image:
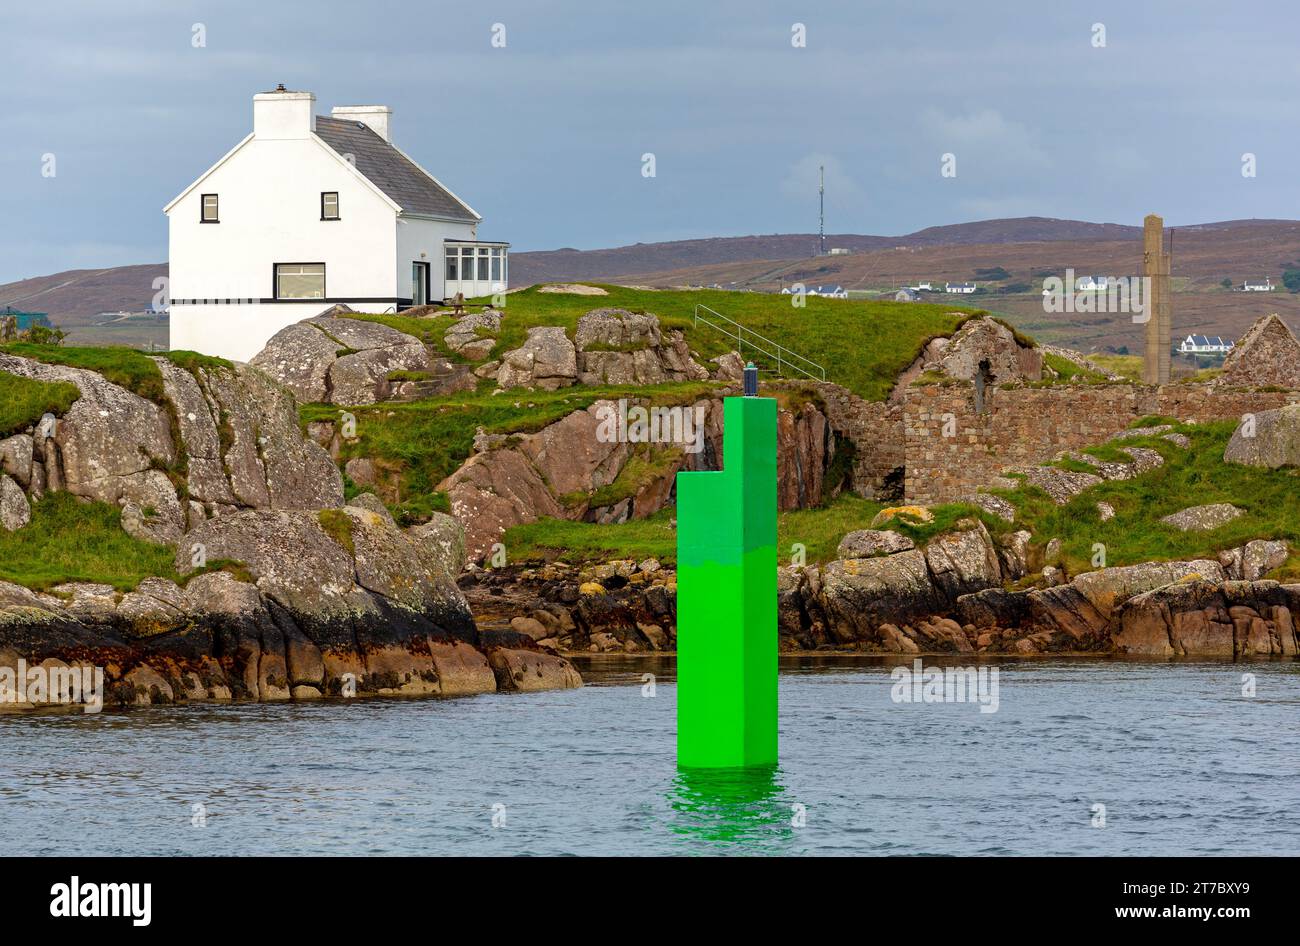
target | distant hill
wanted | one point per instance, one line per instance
(680, 254)
(1027, 248)
(75, 297)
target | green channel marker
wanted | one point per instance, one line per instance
(726, 596)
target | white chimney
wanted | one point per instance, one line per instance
(377, 117)
(284, 114)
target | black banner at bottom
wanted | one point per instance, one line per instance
(177, 896)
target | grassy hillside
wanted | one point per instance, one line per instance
(1193, 477)
(862, 345)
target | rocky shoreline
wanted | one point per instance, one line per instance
(946, 599)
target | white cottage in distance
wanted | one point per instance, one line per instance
(310, 211)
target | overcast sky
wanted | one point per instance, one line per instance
(545, 136)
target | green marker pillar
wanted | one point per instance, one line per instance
(726, 596)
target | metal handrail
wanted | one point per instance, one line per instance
(782, 355)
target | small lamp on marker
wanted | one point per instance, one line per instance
(751, 380)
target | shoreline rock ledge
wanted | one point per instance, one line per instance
(343, 603)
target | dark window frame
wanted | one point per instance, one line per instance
(203, 208)
(275, 280)
(338, 211)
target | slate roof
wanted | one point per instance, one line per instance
(389, 170)
(1205, 341)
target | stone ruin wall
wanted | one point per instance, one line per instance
(875, 430)
(1028, 426)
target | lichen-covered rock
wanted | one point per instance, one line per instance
(963, 560)
(1082, 609)
(340, 360)
(994, 506)
(1060, 485)
(729, 367)
(107, 440)
(616, 346)
(616, 329)
(1268, 439)
(860, 594)
(547, 360)
(1202, 518)
(14, 509)
(198, 415)
(16, 458)
(868, 543)
(474, 335)
(442, 541)
(909, 514)
(154, 513)
(1013, 553)
(268, 461)
(1259, 557)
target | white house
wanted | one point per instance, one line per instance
(1204, 345)
(829, 292)
(1092, 283)
(962, 287)
(309, 211)
(1257, 286)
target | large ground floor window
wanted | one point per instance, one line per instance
(300, 280)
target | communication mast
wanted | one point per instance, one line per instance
(821, 210)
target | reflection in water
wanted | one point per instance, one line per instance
(743, 807)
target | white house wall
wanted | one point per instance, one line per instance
(421, 241)
(269, 210)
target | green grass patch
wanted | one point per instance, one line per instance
(338, 526)
(71, 540)
(863, 345)
(581, 542)
(820, 530)
(24, 400)
(192, 361)
(1126, 366)
(1194, 477)
(125, 367)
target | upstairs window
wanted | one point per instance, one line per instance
(209, 212)
(329, 205)
(300, 280)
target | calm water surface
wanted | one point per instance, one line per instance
(1183, 762)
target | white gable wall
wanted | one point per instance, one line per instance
(269, 193)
